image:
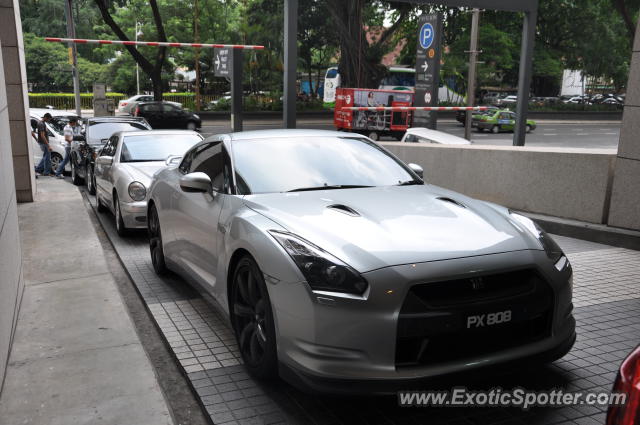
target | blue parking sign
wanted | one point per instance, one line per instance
(427, 35)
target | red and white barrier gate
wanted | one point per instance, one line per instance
(153, 43)
(414, 108)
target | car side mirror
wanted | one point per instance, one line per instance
(196, 182)
(108, 160)
(417, 169)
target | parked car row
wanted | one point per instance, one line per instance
(160, 114)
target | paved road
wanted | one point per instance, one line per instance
(548, 133)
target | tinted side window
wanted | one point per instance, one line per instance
(209, 160)
(186, 161)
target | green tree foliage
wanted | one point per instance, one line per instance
(48, 68)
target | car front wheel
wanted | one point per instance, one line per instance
(75, 178)
(155, 242)
(252, 320)
(120, 227)
(192, 126)
(495, 129)
(91, 180)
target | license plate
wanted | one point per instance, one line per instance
(488, 319)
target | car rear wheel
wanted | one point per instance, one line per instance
(495, 129)
(373, 135)
(75, 178)
(56, 160)
(192, 126)
(155, 242)
(252, 320)
(91, 180)
(120, 227)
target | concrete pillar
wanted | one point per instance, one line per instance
(11, 280)
(625, 194)
(15, 73)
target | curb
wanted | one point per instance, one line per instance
(598, 233)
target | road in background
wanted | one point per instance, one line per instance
(568, 134)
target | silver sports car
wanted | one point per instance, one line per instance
(124, 168)
(338, 266)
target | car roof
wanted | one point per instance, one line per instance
(54, 112)
(289, 134)
(115, 119)
(438, 136)
(156, 132)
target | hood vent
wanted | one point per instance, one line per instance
(344, 209)
(451, 201)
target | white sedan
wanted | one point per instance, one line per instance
(425, 135)
(125, 167)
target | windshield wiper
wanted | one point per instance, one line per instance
(328, 187)
(410, 183)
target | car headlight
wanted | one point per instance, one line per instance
(554, 252)
(137, 191)
(196, 116)
(322, 271)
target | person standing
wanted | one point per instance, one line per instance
(44, 167)
(69, 131)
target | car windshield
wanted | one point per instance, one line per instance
(156, 147)
(308, 163)
(98, 131)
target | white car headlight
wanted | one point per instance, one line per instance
(137, 191)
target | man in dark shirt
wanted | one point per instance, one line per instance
(44, 167)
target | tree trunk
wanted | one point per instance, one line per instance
(360, 62)
(156, 82)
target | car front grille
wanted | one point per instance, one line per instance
(435, 326)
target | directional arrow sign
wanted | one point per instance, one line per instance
(425, 66)
(222, 63)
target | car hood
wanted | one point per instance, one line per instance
(372, 228)
(142, 171)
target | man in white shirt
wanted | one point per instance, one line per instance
(69, 131)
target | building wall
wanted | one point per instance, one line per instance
(11, 280)
(16, 94)
(569, 183)
(625, 194)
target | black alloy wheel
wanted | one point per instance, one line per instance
(253, 320)
(155, 242)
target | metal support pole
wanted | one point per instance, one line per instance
(290, 61)
(473, 58)
(137, 66)
(196, 35)
(524, 81)
(236, 90)
(71, 33)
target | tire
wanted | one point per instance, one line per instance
(91, 180)
(75, 178)
(495, 129)
(99, 205)
(191, 125)
(155, 242)
(529, 129)
(56, 160)
(252, 320)
(120, 227)
(373, 135)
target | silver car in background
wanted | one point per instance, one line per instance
(125, 166)
(342, 271)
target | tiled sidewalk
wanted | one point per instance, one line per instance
(606, 296)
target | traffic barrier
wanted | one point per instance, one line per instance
(413, 108)
(153, 43)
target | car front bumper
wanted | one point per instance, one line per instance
(328, 343)
(134, 214)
